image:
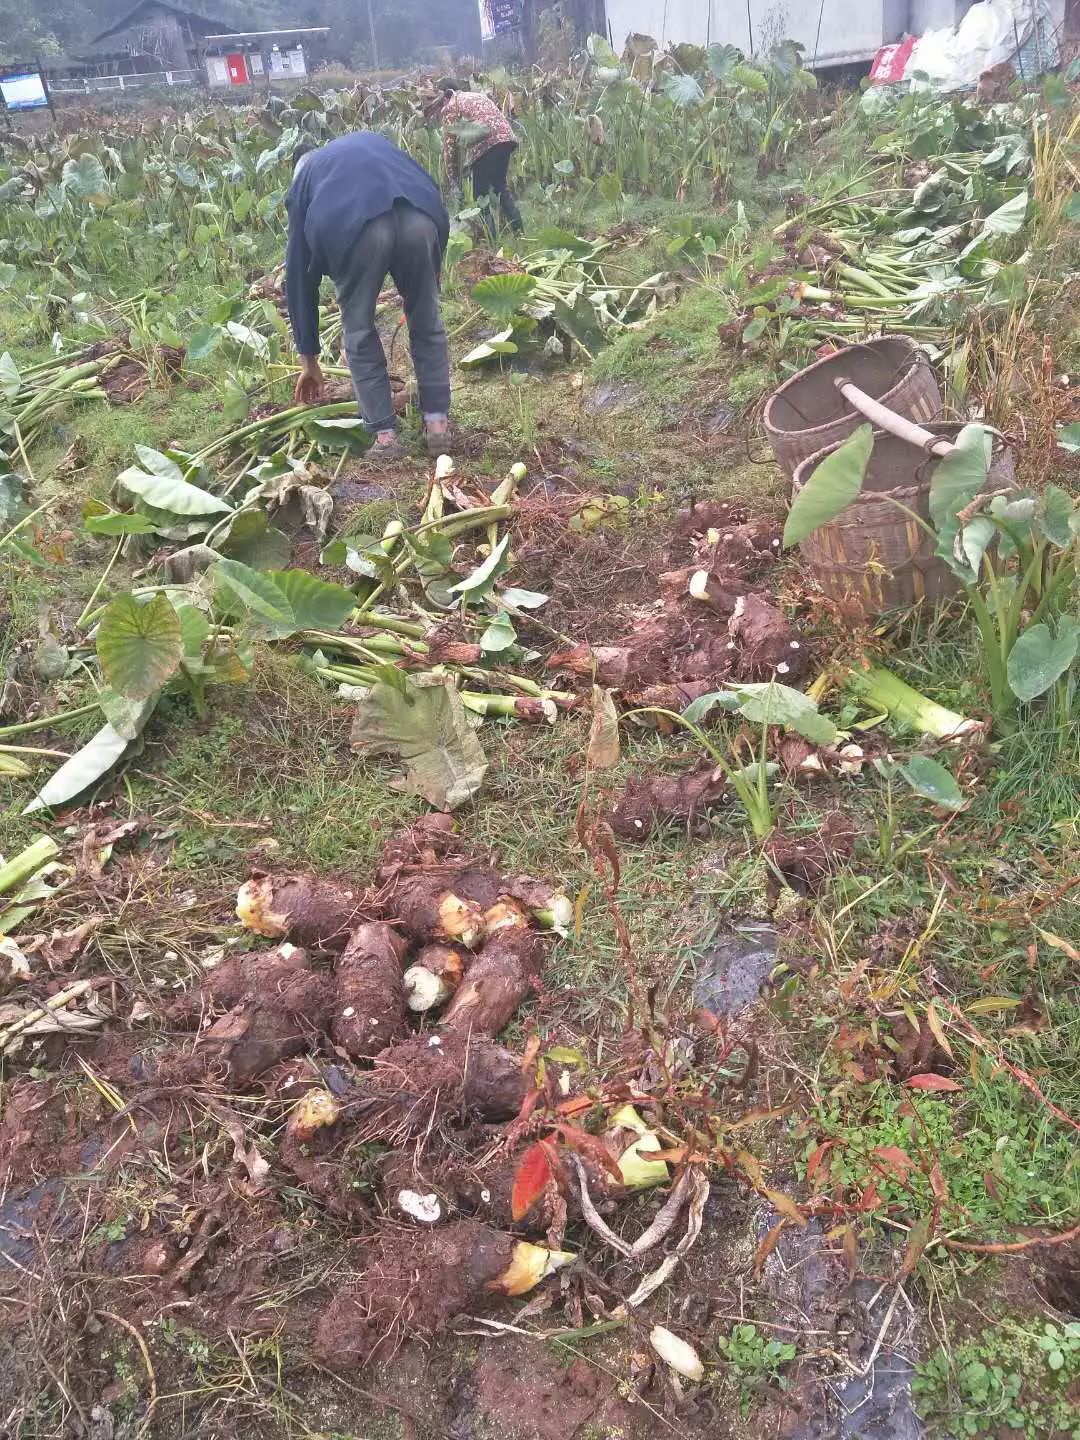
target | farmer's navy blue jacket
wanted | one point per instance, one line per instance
(335, 191)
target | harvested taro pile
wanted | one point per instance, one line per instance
(711, 624)
(354, 1064)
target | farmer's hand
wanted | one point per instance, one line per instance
(309, 382)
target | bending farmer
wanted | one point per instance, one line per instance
(360, 209)
(488, 156)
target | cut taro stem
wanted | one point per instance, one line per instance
(424, 990)
(659, 1228)
(529, 1265)
(651, 1283)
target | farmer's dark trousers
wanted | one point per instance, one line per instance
(489, 178)
(404, 244)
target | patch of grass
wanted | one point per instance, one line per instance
(271, 763)
(1003, 1163)
(753, 1358)
(1014, 1377)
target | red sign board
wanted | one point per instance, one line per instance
(238, 70)
(890, 62)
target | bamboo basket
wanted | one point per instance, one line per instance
(808, 414)
(873, 557)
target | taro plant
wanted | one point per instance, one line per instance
(1013, 552)
(762, 705)
(179, 642)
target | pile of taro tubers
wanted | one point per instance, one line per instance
(326, 1021)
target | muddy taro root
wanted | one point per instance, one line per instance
(309, 911)
(497, 981)
(369, 1010)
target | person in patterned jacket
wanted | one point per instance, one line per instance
(487, 157)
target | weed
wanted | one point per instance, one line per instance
(1011, 1375)
(754, 1359)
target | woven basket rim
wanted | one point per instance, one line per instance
(917, 358)
(1001, 450)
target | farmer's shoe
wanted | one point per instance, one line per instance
(387, 448)
(438, 438)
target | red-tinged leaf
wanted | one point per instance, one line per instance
(813, 1164)
(677, 1156)
(767, 1246)
(933, 1019)
(894, 1160)
(937, 1182)
(577, 1106)
(528, 1057)
(991, 1185)
(532, 1178)
(751, 1168)
(784, 1205)
(918, 1239)
(850, 1244)
(932, 1082)
(870, 1199)
(592, 1147)
(707, 1021)
(1057, 943)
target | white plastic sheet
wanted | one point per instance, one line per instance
(991, 32)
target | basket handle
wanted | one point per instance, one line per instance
(886, 419)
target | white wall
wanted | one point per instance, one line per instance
(849, 29)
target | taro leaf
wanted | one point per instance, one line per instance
(974, 539)
(483, 578)
(832, 487)
(11, 500)
(503, 295)
(683, 90)
(10, 379)
(500, 635)
(162, 485)
(428, 728)
(469, 133)
(722, 60)
(1068, 437)
(1009, 218)
(500, 344)
(956, 481)
(1055, 515)
(87, 766)
(194, 629)
(1038, 659)
(604, 749)
(85, 177)
(236, 402)
(204, 342)
(115, 523)
(749, 78)
(459, 244)
(139, 646)
(7, 274)
(282, 602)
(774, 704)
(341, 434)
(700, 709)
(933, 782)
(523, 599)
(601, 53)
(254, 541)
(248, 339)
